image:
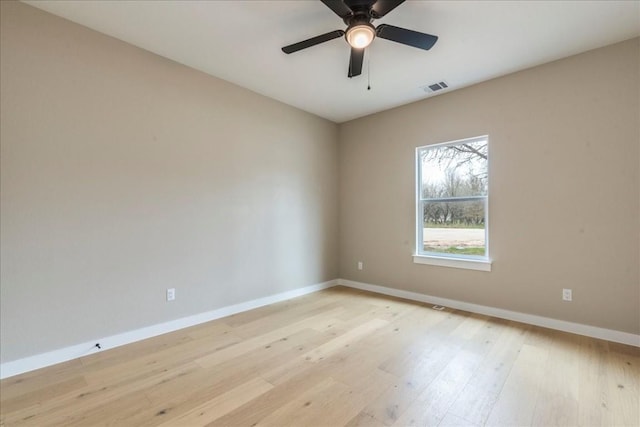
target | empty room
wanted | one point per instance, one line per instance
(319, 213)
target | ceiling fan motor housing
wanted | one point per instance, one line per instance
(360, 15)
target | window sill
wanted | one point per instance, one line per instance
(468, 264)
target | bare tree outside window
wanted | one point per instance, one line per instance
(452, 198)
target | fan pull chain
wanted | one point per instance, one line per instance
(369, 72)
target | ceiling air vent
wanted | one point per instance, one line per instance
(435, 87)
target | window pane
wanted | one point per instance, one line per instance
(454, 170)
(454, 227)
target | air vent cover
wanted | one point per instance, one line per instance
(435, 87)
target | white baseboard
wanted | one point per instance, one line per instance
(561, 325)
(38, 361)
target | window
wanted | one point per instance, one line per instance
(452, 204)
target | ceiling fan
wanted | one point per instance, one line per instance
(358, 14)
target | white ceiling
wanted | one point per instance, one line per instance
(240, 41)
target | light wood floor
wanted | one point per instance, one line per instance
(339, 357)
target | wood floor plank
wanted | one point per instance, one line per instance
(344, 340)
(455, 363)
(302, 303)
(254, 411)
(475, 401)
(209, 383)
(71, 406)
(622, 390)
(435, 328)
(43, 394)
(364, 420)
(339, 357)
(451, 420)
(284, 318)
(449, 370)
(353, 358)
(334, 403)
(140, 363)
(209, 329)
(324, 404)
(115, 411)
(246, 345)
(557, 403)
(517, 400)
(221, 405)
(128, 352)
(29, 382)
(591, 360)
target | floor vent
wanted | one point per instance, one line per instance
(435, 87)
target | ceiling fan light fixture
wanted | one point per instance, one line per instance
(357, 16)
(361, 35)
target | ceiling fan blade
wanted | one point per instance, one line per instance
(338, 7)
(313, 41)
(355, 62)
(382, 7)
(404, 36)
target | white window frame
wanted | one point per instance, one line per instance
(472, 262)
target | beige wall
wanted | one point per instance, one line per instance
(564, 188)
(124, 174)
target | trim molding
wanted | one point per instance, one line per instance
(468, 264)
(546, 322)
(43, 360)
(49, 358)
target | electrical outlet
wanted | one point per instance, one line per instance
(171, 294)
(360, 265)
(567, 295)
